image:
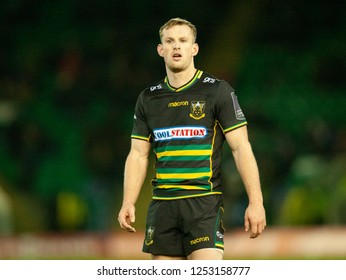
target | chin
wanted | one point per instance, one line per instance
(176, 69)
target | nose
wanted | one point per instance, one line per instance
(176, 45)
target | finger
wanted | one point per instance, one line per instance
(132, 217)
(260, 227)
(264, 225)
(254, 230)
(254, 236)
(127, 227)
(130, 229)
(247, 225)
(125, 223)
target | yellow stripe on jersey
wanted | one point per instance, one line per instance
(184, 153)
(163, 176)
(141, 137)
(184, 196)
(219, 245)
(233, 127)
(197, 75)
(183, 187)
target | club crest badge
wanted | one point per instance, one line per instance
(197, 109)
(149, 235)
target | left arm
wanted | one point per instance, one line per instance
(245, 161)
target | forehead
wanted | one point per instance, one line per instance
(177, 31)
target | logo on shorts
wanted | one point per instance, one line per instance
(149, 236)
(197, 109)
(219, 235)
(199, 240)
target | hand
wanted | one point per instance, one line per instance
(255, 219)
(126, 217)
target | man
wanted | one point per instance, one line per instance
(185, 118)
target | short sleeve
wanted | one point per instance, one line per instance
(140, 128)
(228, 111)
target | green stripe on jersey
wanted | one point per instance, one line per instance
(183, 147)
(182, 187)
(182, 170)
(170, 156)
(184, 158)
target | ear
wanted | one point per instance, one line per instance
(160, 50)
(195, 49)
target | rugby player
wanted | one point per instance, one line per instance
(185, 119)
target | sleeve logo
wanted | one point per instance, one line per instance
(238, 112)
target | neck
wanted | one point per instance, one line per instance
(178, 79)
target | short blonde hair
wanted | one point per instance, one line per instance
(178, 21)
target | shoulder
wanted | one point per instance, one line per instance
(153, 88)
(211, 80)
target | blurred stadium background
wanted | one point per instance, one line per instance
(70, 73)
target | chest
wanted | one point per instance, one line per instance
(180, 110)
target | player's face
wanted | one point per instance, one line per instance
(178, 48)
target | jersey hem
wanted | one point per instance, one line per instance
(185, 196)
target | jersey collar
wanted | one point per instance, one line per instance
(194, 79)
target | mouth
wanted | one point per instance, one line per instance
(177, 56)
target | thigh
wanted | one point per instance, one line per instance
(163, 236)
(206, 254)
(203, 224)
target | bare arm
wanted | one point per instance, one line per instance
(246, 164)
(135, 172)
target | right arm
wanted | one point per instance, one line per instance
(135, 172)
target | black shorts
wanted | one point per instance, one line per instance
(179, 227)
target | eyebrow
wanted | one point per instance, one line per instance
(179, 38)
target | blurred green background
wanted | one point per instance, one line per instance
(70, 73)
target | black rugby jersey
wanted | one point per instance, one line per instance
(186, 127)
